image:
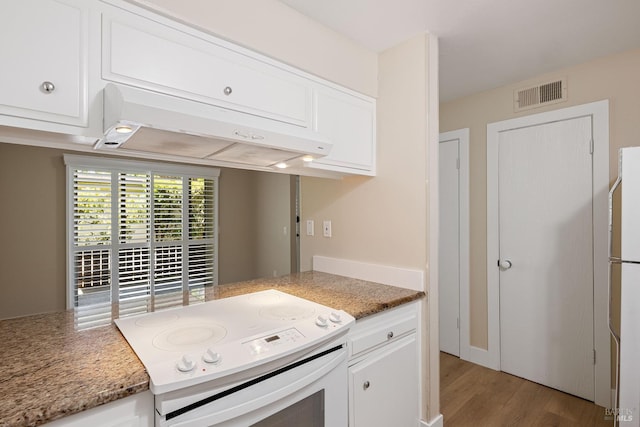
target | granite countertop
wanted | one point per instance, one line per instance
(50, 369)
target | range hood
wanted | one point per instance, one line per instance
(145, 121)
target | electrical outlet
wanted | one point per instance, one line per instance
(326, 228)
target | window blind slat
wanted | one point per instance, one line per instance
(167, 208)
(165, 229)
(201, 210)
(91, 208)
(134, 195)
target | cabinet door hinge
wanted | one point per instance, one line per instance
(594, 356)
(458, 163)
(591, 146)
(458, 323)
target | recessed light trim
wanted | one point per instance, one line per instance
(124, 129)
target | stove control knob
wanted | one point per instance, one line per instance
(186, 363)
(335, 317)
(210, 356)
(322, 321)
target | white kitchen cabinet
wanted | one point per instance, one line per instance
(58, 55)
(133, 411)
(384, 385)
(349, 120)
(44, 51)
(160, 55)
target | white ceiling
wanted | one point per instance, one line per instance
(488, 43)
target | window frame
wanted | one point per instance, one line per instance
(114, 165)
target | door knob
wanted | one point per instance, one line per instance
(504, 264)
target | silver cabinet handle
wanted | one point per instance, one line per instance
(228, 90)
(47, 87)
(504, 264)
(366, 385)
(390, 335)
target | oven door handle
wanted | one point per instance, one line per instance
(249, 399)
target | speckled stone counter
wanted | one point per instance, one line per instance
(357, 297)
(49, 370)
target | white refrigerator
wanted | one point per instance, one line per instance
(628, 406)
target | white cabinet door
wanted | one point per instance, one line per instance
(384, 387)
(181, 62)
(44, 41)
(133, 411)
(350, 123)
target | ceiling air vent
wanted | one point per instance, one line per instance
(540, 95)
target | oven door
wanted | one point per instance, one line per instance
(311, 392)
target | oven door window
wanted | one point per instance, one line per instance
(309, 412)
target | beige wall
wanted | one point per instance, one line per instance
(33, 228)
(237, 205)
(383, 220)
(274, 29)
(273, 221)
(613, 77)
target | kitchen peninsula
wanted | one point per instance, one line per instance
(50, 370)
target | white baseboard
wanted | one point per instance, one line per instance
(436, 422)
(394, 276)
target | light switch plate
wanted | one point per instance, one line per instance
(326, 228)
(310, 227)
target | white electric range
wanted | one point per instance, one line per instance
(230, 361)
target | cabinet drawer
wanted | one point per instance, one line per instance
(145, 53)
(382, 333)
(44, 56)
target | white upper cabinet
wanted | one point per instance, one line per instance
(349, 120)
(44, 60)
(58, 55)
(179, 61)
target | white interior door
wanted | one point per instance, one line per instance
(545, 232)
(449, 246)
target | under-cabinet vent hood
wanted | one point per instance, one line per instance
(145, 121)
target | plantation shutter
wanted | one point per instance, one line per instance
(134, 230)
(91, 237)
(141, 239)
(202, 255)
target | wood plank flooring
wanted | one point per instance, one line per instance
(472, 395)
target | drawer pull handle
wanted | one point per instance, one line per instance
(366, 385)
(228, 90)
(47, 87)
(390, 335)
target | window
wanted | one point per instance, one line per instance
(141, 236)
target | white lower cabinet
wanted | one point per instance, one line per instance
(133, 411)
(384, 385)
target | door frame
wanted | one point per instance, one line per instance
(462, 135)
(599, 112)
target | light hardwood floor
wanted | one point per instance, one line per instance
(472, 395)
